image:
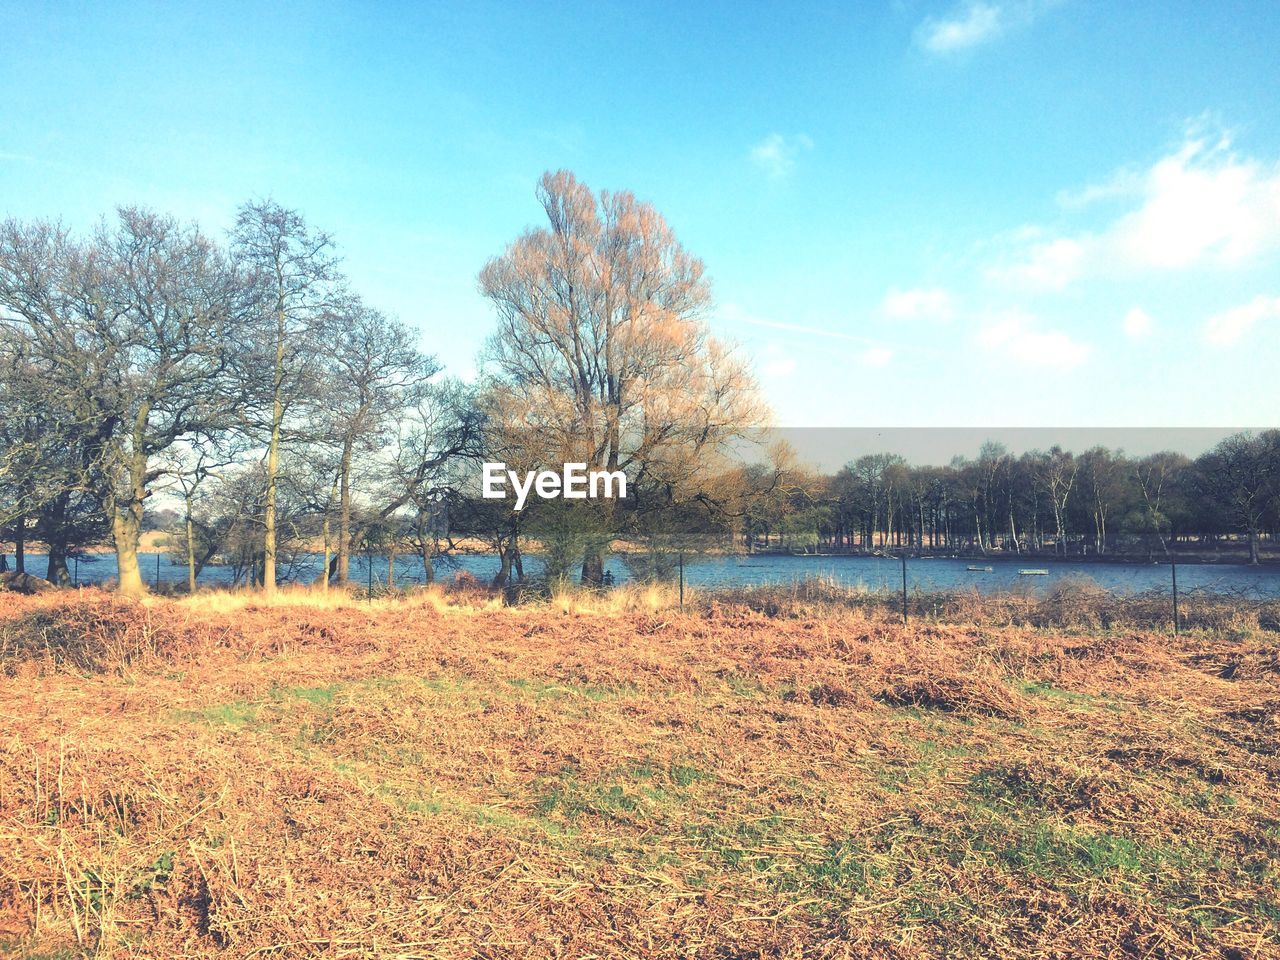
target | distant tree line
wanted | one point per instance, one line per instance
(242, 383)
(1098, 502)
(242, 387)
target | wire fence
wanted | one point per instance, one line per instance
(1170, 596)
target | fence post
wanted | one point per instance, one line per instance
(76, 581)
(1173, 569)
(157, 587)
(681, 579)
(368, 559)
(904, 586)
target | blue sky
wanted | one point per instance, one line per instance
(1020, 213)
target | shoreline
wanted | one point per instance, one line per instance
(693, 556)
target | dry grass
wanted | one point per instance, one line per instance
(224, 776)
(1071, 603)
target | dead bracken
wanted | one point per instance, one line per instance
(438, 776)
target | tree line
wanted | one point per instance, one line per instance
(1098, 502)
(240, 384)
(241, 378)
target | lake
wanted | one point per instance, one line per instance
(873, 573)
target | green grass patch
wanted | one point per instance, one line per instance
(536, 690)
(238, 714)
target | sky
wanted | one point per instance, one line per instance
(1002, 213)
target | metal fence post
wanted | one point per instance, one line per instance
(681, 579)
(1173, 569)
(157, 570)
(368, 559)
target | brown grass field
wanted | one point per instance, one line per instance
(422, 778)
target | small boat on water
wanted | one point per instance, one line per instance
(976, 569)
(1033, 573)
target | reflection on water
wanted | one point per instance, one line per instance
(873, 573)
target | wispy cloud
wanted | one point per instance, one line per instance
(736, 315)
(975, 23)
(777, 363)
(875, 357)
(1017, 337)
(777, 154)
(1231, 326)
(1041, 264)
(967, 27)
(918, 304)
(1137, 324)
(1201, 206)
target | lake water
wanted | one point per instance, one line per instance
(873, 573)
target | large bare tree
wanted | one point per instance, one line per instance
(132, 331)
(601, 348)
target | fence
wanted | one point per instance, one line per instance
(1170, 596)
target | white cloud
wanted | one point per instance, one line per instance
(1121, 184)
(1044, 265)
(1016, 336)
(1202, 204)
(777, 363)
(975, 22)
(919, 304)
(1137, 324)
(1201, 207)
(966, 27)
(734, 314)
(875, 357)
(1231, 326)
(776, 154)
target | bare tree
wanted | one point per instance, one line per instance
(298, 276)
(600, 339)
(1242, 473)
(132, 331)
(374, 371)
(1157, 478)
(437, 438)
(1105, 479)
(1057, 476)
(55, 419)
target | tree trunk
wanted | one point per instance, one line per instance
(504, 568)
(126, 514)
(324, 534)
(20, 545)
(269, 508)
(57, 572)
(191, 549)
(593, 567)
(126, 528)
(344, 513)
(273, 457)
(427, 547)
(52, 526)
(327, 574)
